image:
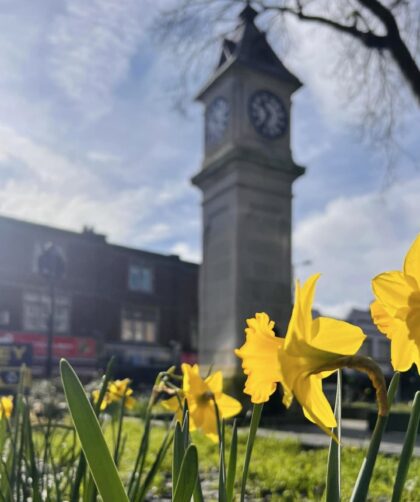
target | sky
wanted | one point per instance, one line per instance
(90, 135)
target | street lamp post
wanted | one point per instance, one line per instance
(51, 265)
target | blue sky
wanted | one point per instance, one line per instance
(89, 136)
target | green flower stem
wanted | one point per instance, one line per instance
(361, 487)
(333, 488)
(407, 451)
(119, 430)
(255, 420)
(231, 471)
(373, 371)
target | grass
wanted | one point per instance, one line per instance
(280, 470)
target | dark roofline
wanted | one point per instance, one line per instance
(174, 258)
(43, 226)
(94, 237)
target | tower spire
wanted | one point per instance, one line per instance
(248, 14)
(248, 46)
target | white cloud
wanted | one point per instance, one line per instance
(186, 252)
(92, 44)
(59, 191)
(103, 157)
(355, 238)
(47, 166)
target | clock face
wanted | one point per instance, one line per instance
(217, 117)
(267, 114)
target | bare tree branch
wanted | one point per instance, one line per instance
(391, 41)
(396, 45)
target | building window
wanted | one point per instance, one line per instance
(37, 309)
(140, 278)
(37, 252)
(137, 326)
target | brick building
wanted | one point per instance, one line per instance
(112, 298)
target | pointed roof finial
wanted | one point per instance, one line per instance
(248, 46)
(248, 14)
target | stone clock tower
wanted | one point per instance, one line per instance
(246, 179)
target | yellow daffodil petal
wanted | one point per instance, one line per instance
(171, 404)
(192, 382)
(308, 392)
(393, 290)
(296, 323)
(298, 336)
(413, 324)
(6, 406)
(195, 369)
(404, 351)
(215, 382)
(259, 358)
(306, 302)
(383, 321)
(412, 261)
(339, 337)
(205, 419)
(129, 403)
(105, 401)
(325, 374)
(228, 406)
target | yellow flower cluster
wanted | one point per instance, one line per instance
(201, 396)
(116, 392)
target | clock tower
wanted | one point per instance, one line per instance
(246, 180)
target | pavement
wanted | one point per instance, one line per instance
(353, 433)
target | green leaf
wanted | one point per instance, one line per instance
(177, 455)
(187, 476)
(407, 451)
(361, 486)
(255, 420)
(198, 493)
(231, 472)
(186, 426)
(332, 490)
(81, 466)
(91, 438)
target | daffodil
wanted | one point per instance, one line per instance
(119, 389)
(396, 310)
(201, 395)
(116, 391)
(311, 350)
(6, 406)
